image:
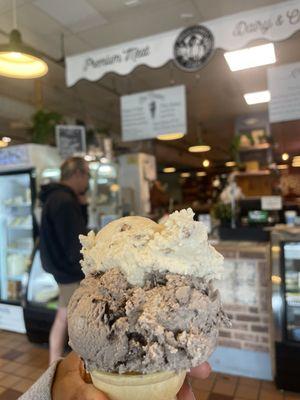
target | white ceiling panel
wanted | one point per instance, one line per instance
(37, 21)
(138, 23)
(74, 45)
(6, 5)
(77, 15)
(211, 9)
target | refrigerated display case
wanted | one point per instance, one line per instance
(22, 169)
(17, 235)
(286, 308)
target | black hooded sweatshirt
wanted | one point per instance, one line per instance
(63, 220)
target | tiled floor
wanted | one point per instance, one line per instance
(21, 363)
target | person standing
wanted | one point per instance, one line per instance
(64, 218)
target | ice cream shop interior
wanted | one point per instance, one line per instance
(150, 149)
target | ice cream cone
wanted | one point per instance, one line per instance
(156, 386)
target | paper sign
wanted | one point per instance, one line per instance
(284, 85)
(149, 114)
(70, 140)
(12, 318)
(271, 203)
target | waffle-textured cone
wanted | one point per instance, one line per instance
(157, 386)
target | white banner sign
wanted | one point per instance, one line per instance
(146, 115)
(275, 22)
(284, 85)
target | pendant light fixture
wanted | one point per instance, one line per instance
(200, 147)
(18, 60)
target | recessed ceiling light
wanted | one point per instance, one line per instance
(185, 174)
(186, 15)
(132, 3)
(199, 149)
(169, 170)
(285, 156)
(206, 163)
(251, 57)
(201, 173)
(170, 136)
(257, 97)
(230, 164)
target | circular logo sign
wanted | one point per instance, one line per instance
(193, 48)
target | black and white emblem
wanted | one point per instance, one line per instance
(193, 48)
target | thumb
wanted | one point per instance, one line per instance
(186, 393)
(89, 392)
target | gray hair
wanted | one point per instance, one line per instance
(70, 166)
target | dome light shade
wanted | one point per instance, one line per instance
(170, 136)
(20, 61)
(202, 148)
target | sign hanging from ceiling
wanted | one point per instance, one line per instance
(147, 115)
(190, 48)
(284, 86)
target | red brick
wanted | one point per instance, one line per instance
(230, 343)
(240, 326)
(259, 328)
(235, 307)
(247, 317)
(256, 347)
(245, 336)
(224, 333)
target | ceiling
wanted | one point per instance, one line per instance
(214, 94)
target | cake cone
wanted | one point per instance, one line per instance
(156, 386)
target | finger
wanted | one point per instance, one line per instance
(202, 371)
(186, 393)
(91, 393)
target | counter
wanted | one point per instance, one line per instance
(245, 348)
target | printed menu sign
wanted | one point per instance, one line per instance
(12, 318)
(70, 140)
(149, 114)
(284, 85)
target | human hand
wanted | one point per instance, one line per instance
(70, 383)
(202, 372)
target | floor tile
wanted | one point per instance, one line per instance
(2, 389)
(215, 396)
(227, 378)
(201, 394)
(11, 355)
(223, 387)
(9, 380)
(247, 392)
(270, 395)
(10, 394)
(203, 384)
(36, 374)
(249, 381)
(10, 367)
(23, 385)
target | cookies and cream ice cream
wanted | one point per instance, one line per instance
(139, 246)
(147, 302)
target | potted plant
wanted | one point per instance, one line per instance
(43, 126)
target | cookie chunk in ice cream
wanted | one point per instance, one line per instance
(147, 302)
